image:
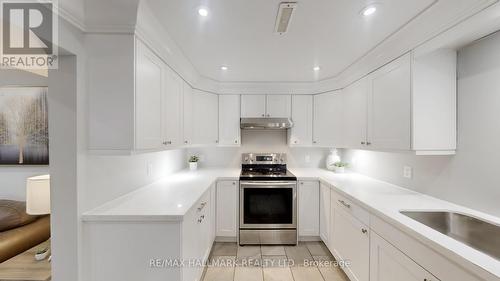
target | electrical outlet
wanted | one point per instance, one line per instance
(408, 172)
(149, 169)
(308, 158)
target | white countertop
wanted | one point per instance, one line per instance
(169, 199)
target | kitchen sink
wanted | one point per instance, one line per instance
(478, 234)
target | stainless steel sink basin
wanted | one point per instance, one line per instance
(478, 234)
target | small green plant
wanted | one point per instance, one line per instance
(194, 159)
(341, 164)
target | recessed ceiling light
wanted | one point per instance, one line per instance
(203, 12)
(223, 67)
(370, 10)
(316, 68)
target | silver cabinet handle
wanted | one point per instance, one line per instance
(234, 183)
(263, 115)
(167, 142)
(345, 204)
(236, 141)
(368, 143)
(364, 230)
(185, 141)
(363, 143)
(314, 141)
(201, 218)
(269, 115)
(202, 205)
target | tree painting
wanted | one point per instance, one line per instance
(24, 138)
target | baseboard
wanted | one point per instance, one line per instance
(309, 238)
(225, 239)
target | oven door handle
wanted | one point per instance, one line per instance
(273, 183)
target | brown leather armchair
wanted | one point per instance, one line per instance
(30, 233)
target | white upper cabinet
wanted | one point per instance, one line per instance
(435, 102)
(328, 124)
(188, 118)
(389, 110)
(278, 106)
(302, 117)
(355, 110)
(258, 106)
(253, 106)
(148, 99)
(408, 104)
(229, 120)
(172, 113)
(206, 115)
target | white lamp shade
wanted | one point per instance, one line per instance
(38, 195)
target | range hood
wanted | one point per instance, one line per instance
(265, 123)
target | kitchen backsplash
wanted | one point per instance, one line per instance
(260, 141)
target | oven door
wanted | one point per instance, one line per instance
(268, 204)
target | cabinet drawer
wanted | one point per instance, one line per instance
(352, 208)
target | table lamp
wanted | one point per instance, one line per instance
(38, 202)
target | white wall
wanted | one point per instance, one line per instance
(259, 141)
(469, 178)
(13, 178)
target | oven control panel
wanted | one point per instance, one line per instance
(263, 158)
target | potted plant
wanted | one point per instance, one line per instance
(339, 167)
(193, 162)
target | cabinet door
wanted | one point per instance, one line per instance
(355, 113)
(187, 114)
(206, 114)
(327, 123)
(229, 120)
(227, 208)
(302, 118)
(278, 106)
(148, 99)
(172, 109)
(389, 264)
(352, 242)
(308, 208)
(253, 106)
(389, 107)
(324, 213)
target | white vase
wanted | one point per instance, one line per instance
(193, 166)
(332, 158)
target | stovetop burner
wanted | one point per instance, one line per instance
(265, 167)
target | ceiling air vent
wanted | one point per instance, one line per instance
(284, 16)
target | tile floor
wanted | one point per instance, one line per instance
(308, 261)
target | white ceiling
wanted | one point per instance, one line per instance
(240, 35)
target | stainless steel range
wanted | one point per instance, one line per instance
(268, 200)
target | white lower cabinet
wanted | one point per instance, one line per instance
(351, 242)
(196, 236)
(387, 263)
(324, 213)
(227, 209)
(308, 208)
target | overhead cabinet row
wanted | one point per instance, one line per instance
(408, 104)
